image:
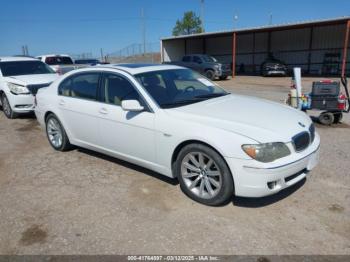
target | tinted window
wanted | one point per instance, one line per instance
(186, 59)
(24, 68)
(80, 86)
(58, 60)
(116, 88)
(197, 59)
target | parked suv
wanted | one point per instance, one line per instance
(20, 78)
(206, 65)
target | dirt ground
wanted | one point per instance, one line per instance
(80, 202)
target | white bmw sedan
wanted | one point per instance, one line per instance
(176, 122)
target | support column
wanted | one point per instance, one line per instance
(234, 40)
(345, 51)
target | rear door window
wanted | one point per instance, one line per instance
(197, 59)
(186, 58)
(83, 86)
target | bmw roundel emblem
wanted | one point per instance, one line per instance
(301, 124)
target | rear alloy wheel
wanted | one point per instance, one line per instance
(210, 74)
(204, 175)
(6, 107)
(56, 134)
(326, 118)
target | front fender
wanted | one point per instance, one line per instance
(171, 134)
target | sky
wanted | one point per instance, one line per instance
(85, 26)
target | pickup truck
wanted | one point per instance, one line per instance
(206, 65)
(61, 64)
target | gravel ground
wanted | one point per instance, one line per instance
(80, 202)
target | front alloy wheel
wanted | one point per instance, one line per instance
(56, 134)
(6, 107)
(204, 175)
(201, 175)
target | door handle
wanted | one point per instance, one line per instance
(103, 111)
(61, 102)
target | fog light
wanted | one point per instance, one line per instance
(272, 185)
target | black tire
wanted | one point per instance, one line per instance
(226, 190)
(223, 77)
(6, 108)
(210, 74)
(65, 144)
(337, 117)
(326, 118)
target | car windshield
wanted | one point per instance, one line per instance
(58, 60)
(209, 59)
(178, 87)
(16, 68)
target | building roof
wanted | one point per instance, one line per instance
(337, 20)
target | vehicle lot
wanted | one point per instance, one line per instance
(81, 202)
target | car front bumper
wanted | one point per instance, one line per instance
(22, 103)
(276, 72)
(258, 181)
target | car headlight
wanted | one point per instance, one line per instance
(17, 89)
(266, 152)
(217, 66)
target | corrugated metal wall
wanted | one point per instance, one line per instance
(317, 49)
(173, 50)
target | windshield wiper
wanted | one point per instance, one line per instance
(211, 95)
(179, 103)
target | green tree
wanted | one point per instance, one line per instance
(190, 24)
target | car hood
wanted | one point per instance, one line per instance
(26, 80)
(261, 120)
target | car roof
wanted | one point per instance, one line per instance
(17, 58)
(54, 55)
(140, 68)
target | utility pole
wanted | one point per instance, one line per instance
(26, 49)
(101, 50)
(23, 50)
(270, 19)
(143, 30)
(202, 14)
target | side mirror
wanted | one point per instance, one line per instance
(132, 105)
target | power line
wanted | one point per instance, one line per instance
(83, 20)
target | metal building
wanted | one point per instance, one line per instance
(318, 47)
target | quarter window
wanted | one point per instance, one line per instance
(80, 86)
(116, 88)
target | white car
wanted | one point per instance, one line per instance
(176, 122)
(20, 78)
(61, 64)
